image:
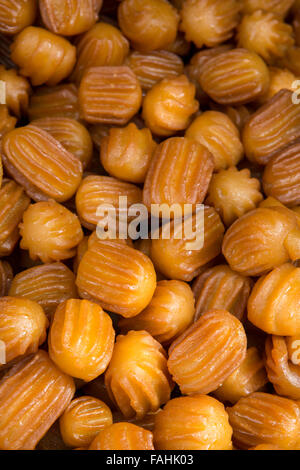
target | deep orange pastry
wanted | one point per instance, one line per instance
(17, 91)
(272, 128)
(173, 158)
(266, 34)
(57, 101)
(67, 17)
(251, 77)
(123, 436)
(41, 164)
(96, 190)
(81, 339)
(126, 152)
(102, 45)
(219, 135)
(137, 378)
(109, 95)
(169, 313)
(23, 326)
(184, 258)
(261, 240)
(48, 285)
(74, 137)
(198, 422)
(13, 203)
(249, 377)
(233, 193)
(15, 16)
(42, 56)
(82, 421)
(273, 303)
(207, 353)
(118, 277)
(280, 78)
(262, 418)
(221, 288)
(281, 175)
(169, 105)
(50, 232)
(282, 372)
(26, 413)
(152, 67)
(148, 24)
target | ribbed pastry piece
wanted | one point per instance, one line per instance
(69, 17)
(148, 24)
(280, 78)
(179, 173)
(7, 122)
(273, 303)
(6, 276)
(23, 326)
(50, 231)
(175, 259)
(281, 178)
(47, 284)
(202, 358)
(152, 67)
(233, 193)
(33, 395)
(262, 418)
(81, 339)
(123, 436)
(120, 278)
(169, 313)
(235, 77)
(249, 377)
(282, 373)
(261, 240)
(200, 58)
(86, 242)
(266, 34)
(209, 22)
(13, 203)
(96, 190)
(221, 288)
(109, 95)
(169, 105)
(198, 422)
(102, 45)
(41, 164)
(43, 56)
(17, 90)
(126, 152)
(58, 101)
(15, 15)
(71, 134)
(84, 418)
(137, 378)
(271, 128)
(219, 135)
